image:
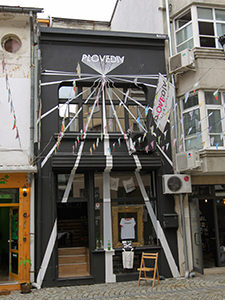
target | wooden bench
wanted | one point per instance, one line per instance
(149, 264)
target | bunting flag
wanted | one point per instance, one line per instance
(191, 114)
(165, 134)
(216, 94)
(119, 141)
(14, 122)
(97, 142)
(167, 146)
(195, 87)
(147, 149)
(217, 145)
(78, 69)
(74, 86)
(174, 142)
(93, 146)
(146, 110)
(152, 144)
(91, 150)
(212, 141)
(186, 97)
(162, 102)
(159, 138)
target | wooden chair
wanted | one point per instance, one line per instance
(149, 264)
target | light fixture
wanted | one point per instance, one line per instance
(24, 191)
(222, 42)
(206, 200)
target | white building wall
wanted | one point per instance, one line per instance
(144, 16)
(15, 152)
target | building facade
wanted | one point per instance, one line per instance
(197, 66)
(18, 36)
(100, 173)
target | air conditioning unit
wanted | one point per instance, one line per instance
(188, 160)
(176, 184)
(181, 61)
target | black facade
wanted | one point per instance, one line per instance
(61, 51)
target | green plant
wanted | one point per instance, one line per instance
(24, 261)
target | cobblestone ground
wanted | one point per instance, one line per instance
(203, 287)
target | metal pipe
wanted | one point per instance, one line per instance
(176, 149)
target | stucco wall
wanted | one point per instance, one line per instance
(177, 6)
(139, 16)
(15, 151)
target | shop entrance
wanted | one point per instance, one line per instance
(207, 227)
(8, 244)
(73, 249)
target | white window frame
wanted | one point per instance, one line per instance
(182, 28)
(221, 108)
(195, 29)
(188, 110)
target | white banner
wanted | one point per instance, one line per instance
(163, 102)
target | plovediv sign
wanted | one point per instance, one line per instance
(103, 64)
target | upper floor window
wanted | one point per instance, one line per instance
(211, 25)
(124, 109)
(191, 123)
(205, 24)
(184, 32)
(215, 116)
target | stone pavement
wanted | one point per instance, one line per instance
(201, 287)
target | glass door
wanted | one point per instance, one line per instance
(196, 235)
(13, 242)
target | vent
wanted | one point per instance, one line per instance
(187, 161)
(181, 61)
(176, 184)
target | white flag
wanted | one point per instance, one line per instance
(162, 102)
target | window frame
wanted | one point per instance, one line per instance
(221, 108)
(80, 101)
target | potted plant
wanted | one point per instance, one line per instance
(25, 287)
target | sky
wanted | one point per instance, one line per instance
(96, 10)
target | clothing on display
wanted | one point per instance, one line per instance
(127, 228)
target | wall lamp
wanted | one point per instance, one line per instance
(24, 191)
(222, 42)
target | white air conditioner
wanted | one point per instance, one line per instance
(188, 160)
(176, 184)
(181, 61)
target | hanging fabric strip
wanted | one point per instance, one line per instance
(73, 171)
(158, 229)
(137, 82)
(74, 117)
(60, 81)
(47, 256)
(68, 101)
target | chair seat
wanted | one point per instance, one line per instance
(146, 259)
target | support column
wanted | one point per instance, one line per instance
(107, 225)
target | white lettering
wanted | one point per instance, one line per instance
(95, 58)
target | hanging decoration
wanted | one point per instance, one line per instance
(10, 101)
(162, 102)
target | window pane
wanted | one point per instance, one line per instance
(206, 28)
(181, 21)
(139, 113)
(192, 101)
(207, 42)
(8, 195)
(193, 143)
(215, 140)
(220, 29)
(98, 180)
(188, 45)
(191, 123)
(214, 121)
(66, 92)
(211, 99)
(184, 34)
(95, 123)
(205, 13)
(112, 124)
(220, 14)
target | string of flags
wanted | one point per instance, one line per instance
(10, 101)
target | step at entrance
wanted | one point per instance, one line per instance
(73, 262)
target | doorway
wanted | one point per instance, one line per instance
(9, 246)
(73, 248)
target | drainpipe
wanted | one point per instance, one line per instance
(181, 197)
(32, 126)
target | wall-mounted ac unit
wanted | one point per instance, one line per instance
(181, 61)
(176, 184)
(188, 160)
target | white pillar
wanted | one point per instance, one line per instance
(107, 233)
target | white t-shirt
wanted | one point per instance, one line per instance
(127, 228)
